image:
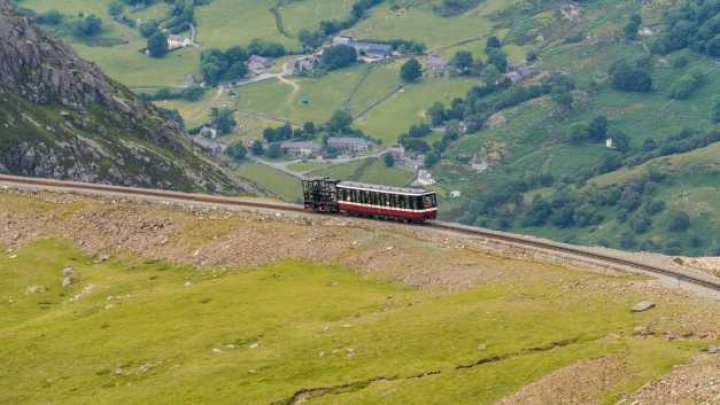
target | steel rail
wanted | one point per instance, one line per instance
(512, 239)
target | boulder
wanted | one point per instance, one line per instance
(643, 306)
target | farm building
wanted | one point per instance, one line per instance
(178, 41)
(348, 145)
(424, 178)
(301, 149)
(257, 64)
(371, 51)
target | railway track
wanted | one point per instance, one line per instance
(507, 238)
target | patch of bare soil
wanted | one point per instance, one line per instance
(583, 383)
(696, 383)
(709, 265)
(204, 237)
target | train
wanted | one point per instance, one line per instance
(326, 195)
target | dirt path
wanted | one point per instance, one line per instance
(294, 85)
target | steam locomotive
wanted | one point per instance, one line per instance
(370, 200)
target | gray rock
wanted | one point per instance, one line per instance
(102, 259)
(67, 281)
(643, 306)
(67, 271)
(713, 349)
(35, 289)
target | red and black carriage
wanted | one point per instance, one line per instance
(371, 200)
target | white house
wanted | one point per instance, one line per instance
(178, 41)
(455, 194)
(609, 143)
(424, 178)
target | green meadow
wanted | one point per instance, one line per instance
(146, 331)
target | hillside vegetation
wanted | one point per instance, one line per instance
(640, 75)
(176, 305)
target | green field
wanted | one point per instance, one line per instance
(371, 170)
(275, 182)
(147, 331)
(226, 23)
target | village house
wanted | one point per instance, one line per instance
(301, 149)
(368, 51)
(178, 41)
(455, 194)
(479, 165)
(438, 66)
(208, 132)
(258, 64)
(517, 73)
(348, 145)
(424, 178)
(397, 152)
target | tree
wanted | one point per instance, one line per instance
(411, 71)
(632, 27)
(684, 87)
(115, 8)
(389, 160)
(436, 113)
(498, 58)
(274, 151)
(492, 42)
(237, 151)
(715, 113)
(630, 79)
(309, 128)
(598, 128)
(578, 132)
(236, 71)
(52, 17)
(340, 121)
(462, 61)
(88, 26)
(679, 222)
(257, 148)
(338, 56)
(157, 45)
(223, 120)
(149, 29)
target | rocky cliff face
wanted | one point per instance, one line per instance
(61, 117)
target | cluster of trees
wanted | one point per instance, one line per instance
(222, 120)
(449, 8)
(634, 204)
(338, 57)
(411, 71)
(192, 93)
(314, 39)
(465, 64)
(595, 131)
(687, 84)
(308, 131)
(82, 26)
(632, 27)
(483, 101)
(631, 77)
(693, 24)
(217, 66)
(339, 124)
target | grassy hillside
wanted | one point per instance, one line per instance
(136, 328)
(525, 140)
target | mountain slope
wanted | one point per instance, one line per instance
(61, 117)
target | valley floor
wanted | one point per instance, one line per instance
(111, 301)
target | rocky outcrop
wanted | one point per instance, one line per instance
(61, 117)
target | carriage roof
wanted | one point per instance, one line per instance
(383, 189)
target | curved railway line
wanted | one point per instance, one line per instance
(559, 249)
